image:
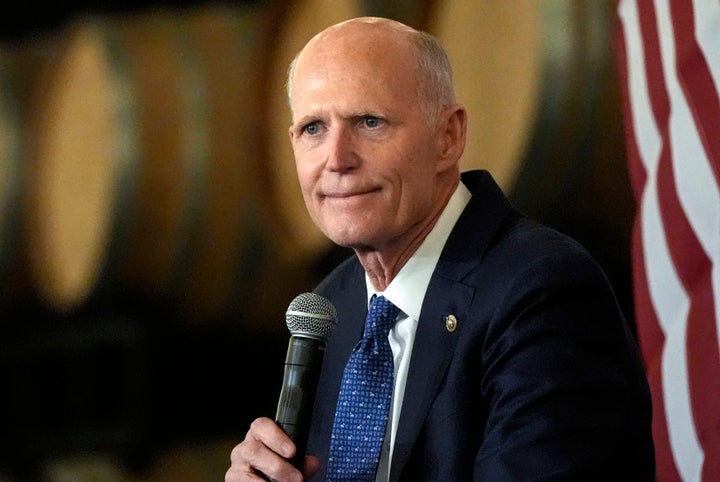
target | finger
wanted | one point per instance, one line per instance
(311, 466)
(264, 451)
(272, 436)
(235, 474)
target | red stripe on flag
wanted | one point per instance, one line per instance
(653, 67)
(690, 260)
(659, 104)
(696, 82)
(650, 336)
(692, 263)
(652, 340)
(693, 267)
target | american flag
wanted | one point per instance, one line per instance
(669, 60)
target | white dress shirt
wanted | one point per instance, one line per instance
(407, 292)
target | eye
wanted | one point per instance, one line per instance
(313, 128)
(372, 121)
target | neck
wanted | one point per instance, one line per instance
(383, 263)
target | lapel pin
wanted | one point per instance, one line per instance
(450, 323)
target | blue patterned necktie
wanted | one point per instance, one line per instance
(364, 401)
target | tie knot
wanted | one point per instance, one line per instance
(381, 318)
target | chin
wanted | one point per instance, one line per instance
(347, 239)
(344, 241)
(352, 232)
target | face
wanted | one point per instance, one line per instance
(367, 162)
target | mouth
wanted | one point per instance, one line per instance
(340, 195)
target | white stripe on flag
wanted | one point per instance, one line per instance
(695, 180)
(668, 297)
(707, 32)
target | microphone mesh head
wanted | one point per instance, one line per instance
(312, 315)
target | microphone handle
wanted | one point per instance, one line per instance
(297, 396)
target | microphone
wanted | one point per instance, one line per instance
(311, 320)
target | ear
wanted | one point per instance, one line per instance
(452, 131)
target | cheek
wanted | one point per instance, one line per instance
(305, 174)
(308, 179)
(418, 192)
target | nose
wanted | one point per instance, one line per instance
(342, 150)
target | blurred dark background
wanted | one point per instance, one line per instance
(30, 20)
(150, 233)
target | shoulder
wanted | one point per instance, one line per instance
(528, 249)
(500, 243)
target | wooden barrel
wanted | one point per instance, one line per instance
(230, 249)
(115, 159)
(574, 172)
(165, 197)
(22, 69)
(11, 172)
(298, 239)
(495, 49)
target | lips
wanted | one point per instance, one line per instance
(343, 195)
(348, 194)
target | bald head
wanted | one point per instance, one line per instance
(381, 43)
(365, 26)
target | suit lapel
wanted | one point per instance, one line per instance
(432, 351)
(447, 295)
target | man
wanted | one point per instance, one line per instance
(512, 360)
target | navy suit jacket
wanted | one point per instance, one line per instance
(541, 379)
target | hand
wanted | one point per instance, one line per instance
(266, 450)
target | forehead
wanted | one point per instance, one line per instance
(371, 58)
(363, 38)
